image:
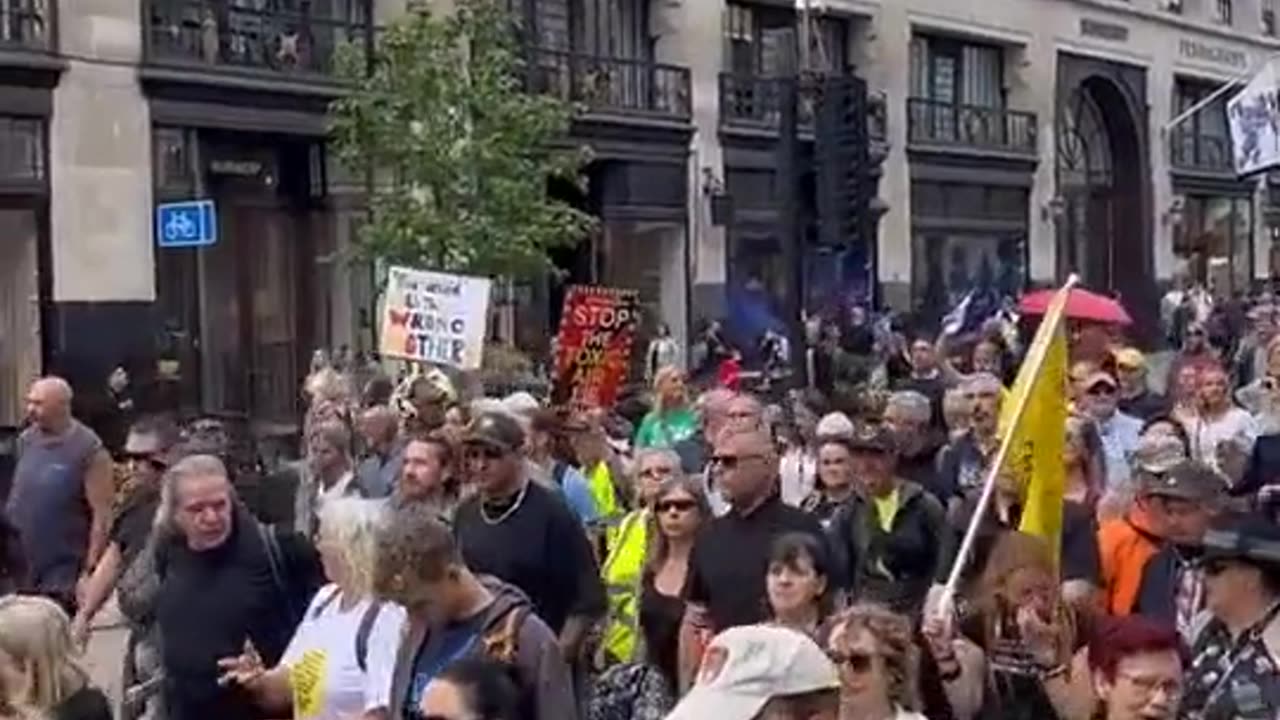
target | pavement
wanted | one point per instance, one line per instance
(104, 657)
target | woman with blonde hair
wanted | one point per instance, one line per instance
(35, 638)
(672, 419)
(876, 653)
(1017, 653)
(339, 663)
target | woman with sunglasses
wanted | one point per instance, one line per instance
(624, 562)
(799, 583)
(877, 657)
(147, 452)
(679, 510)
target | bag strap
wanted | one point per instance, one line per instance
(503, 646)
(364, 631)
(558, 471)
(276, 561)
(325, 603)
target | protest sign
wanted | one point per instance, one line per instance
(435, 317)
(593, 347)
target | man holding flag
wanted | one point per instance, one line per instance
(1025, 482)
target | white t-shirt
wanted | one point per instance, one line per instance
(1235, 426)
(324, 671)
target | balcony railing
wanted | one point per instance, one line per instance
(612, 85)
(754, 102)
(933, 122)
(26, 25)
(221, 33)
(1189, 151)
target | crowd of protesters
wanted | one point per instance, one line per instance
(719, 554)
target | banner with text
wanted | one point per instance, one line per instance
(435, 317)
(593, 347)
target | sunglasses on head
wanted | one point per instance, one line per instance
(483, 452)
(858, 662)
(657, 472)
(1102, 389)
(677, 505)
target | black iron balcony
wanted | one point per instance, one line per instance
(933, 122)
(612, 86)
(26, 25)
(1204, 153)
(755, 102)
(290, 37)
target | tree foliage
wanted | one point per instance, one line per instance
(461, 153)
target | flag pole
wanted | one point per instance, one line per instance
(1040, 350)
(1224, 88)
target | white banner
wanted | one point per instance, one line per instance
(1254, 114)
(435, 317)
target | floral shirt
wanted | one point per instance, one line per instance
(1233, 679)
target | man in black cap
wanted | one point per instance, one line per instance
(1181, 504)
(889, 536)
(522, 533)
(1235, 647)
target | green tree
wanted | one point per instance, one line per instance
(462, 153)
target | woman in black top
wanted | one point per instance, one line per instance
(679, 510)
(35, 636)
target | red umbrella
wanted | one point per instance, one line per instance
(1081, 305)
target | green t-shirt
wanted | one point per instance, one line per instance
(667, 429)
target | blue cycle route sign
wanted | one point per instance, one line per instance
(192, 223)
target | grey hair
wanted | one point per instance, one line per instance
(982, 381)
(643, 455)
(188, 467)
(912, 402)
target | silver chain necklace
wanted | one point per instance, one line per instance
(505, 513)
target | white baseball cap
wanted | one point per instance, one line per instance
(744, 667)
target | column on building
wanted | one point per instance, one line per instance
(103, 277)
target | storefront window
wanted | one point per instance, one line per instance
(947, 266)
(1215, 240)
(649, 257)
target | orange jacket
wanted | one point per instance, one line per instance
(1125, 545)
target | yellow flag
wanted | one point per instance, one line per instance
(1039, 433)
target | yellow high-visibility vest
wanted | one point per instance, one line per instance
(600, 482)
(621, 573)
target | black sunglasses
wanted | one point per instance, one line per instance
(149, 458)
(858, 662)
(1102, 389)
(1216, 567)
(483, 452)
(729, 462)
(677, 505)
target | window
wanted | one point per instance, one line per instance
(1222, 12)
(1215, 240)
(612, 28)
(957, 73)
(763, 41)
(1203, 140)
(1268, 18)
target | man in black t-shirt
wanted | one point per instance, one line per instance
(731, 555)
(524, 534)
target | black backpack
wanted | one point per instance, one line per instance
(363, 631)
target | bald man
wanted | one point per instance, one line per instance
(62, 495)
(731, 555)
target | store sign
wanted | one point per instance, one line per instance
(1216, 54)
(1103, 30)
(236, 168)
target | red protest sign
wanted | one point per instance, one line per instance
(593, 347)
